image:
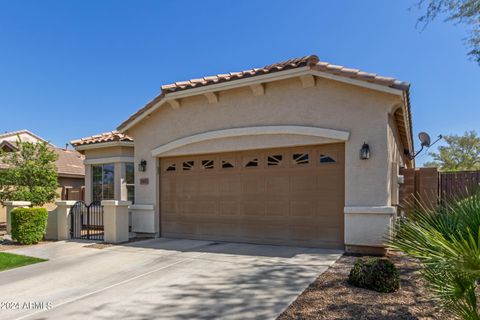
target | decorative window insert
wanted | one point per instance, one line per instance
(326, 159)
(227, 164)
(188, 165)
(208, 164)
(251, 163)
(103, 182)
(274, 160)
(171, 167)
(301, 158)
(130, 181)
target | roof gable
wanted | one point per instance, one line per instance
(285, 69)
(24, 134)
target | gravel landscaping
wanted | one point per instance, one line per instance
(6, 244)
(331, 297)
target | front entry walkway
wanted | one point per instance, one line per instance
(161, 279)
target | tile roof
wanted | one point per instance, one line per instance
(101, 138)
(311, 61)
(69, 163)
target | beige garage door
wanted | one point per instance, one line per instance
(289, 196)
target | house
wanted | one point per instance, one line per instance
(70, 168)
(300, 152)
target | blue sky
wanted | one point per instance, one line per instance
(70, 69)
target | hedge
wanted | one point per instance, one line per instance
(28, 224)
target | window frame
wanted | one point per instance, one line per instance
(101, 181)
(130, 184)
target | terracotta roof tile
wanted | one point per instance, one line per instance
(101, 138)
(311, 61)
(289, 64)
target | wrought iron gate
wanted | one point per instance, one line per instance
(86, 222)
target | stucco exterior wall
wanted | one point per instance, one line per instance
(109, 152)
(369, 228)
(362, 112)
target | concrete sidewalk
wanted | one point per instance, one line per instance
(161, 279)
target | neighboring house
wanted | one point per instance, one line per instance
(71, 174)
(70, 168)
(269, 155)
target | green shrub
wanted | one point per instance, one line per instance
(445, 239)
(28, 224)
(376, 274)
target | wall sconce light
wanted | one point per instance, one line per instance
(365, 151)
(142, 166)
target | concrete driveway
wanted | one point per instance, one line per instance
(160, 279)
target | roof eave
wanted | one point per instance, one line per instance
(408, 122)
(100, 145)
(70, 175)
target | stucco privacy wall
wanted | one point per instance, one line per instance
(332, 105)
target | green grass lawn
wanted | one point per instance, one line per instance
(10, 260)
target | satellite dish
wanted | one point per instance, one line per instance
(424, 142)
(424, 139)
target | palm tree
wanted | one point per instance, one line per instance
(446, 240)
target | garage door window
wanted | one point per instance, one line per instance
(251, 163)
(171, 167)
(274, 160)
(300, 158)
(208, 164)
(188, 165)
(227, 164)
(326, 159)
